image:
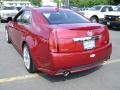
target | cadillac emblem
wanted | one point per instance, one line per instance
(89, 33)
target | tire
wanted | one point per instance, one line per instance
(110, 27)
(28, 59)
(94, 19)
(7, 37)
(2, 21)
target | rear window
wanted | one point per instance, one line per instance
(64, 17)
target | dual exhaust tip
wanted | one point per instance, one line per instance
(66, 73)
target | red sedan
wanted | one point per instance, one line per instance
(58, 41)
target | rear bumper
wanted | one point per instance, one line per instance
(79, 61)
(112, 23)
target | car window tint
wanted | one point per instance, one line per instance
(18, 16)
(118, 9)
(105, 9)
(110, 9)
(26, 17)
(64, 17)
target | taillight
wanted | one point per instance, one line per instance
(106, 35)
(53, 44)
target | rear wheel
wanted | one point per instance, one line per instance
(110, 27)
(28, 60)
(94, 19)
(2, 21)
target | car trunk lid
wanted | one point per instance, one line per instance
(80, 37)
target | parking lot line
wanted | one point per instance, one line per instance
(25, 77)
(111, 61)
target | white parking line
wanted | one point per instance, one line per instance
(4, 80)
(25, 77)
(111, 61)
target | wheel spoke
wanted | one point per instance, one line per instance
(26, 56)
(6, 35)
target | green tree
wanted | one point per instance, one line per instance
(115, 2)
(35, 2)
(88, 3)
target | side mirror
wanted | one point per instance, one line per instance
(9, 19)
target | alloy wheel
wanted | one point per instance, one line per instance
(6, 35)
(26, 57)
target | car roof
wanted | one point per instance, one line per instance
(43, 9)
(103, 5)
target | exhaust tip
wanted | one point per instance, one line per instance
(66, 73)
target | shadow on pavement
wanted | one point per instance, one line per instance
(114, 28)
(70, 76)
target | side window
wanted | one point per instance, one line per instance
(105, 9)
(110, 9)
(26, 17)
(23, 17)
(17, 18)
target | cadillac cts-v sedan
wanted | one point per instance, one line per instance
(58, 41)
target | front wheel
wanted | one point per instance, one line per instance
(94, 19)
(2, 21)
(28, 60)
(7, 37)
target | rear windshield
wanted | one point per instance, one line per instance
(64, 17)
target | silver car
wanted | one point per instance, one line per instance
(7, 11)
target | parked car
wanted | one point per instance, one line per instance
(112, 19)
(58, 41)
(96, 13)
(84, 8)
(7, 11)
(76, 9)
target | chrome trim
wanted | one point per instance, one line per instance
(87, 38)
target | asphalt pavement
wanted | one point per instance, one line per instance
(13, 75)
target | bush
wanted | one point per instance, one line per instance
(89, 3)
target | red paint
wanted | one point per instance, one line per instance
(52, 46)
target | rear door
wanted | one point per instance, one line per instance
(21, 26)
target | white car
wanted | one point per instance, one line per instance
(96, 13)
(7, 11)
(112, 19)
